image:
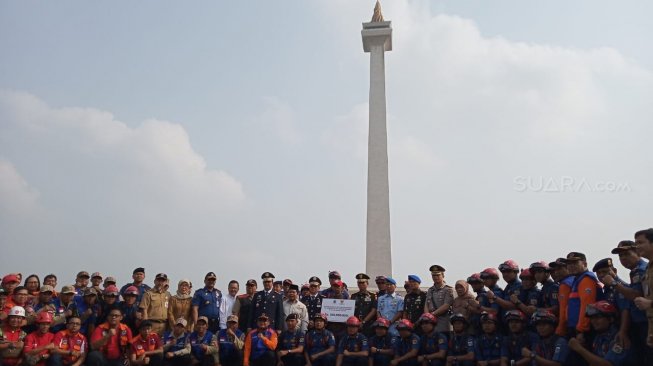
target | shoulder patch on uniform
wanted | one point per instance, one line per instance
(554, 295)
(636, 279)
(588, 290)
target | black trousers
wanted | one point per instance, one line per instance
(266, 359)
(177, 361)
(294, 359)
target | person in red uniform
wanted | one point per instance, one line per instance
(110, 341)
(147, 348)
(70, 346)
(12, 337)
(39, 343)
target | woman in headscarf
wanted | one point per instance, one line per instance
(180, 305)
(465, 302)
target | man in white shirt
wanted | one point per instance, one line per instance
(292, 305)
(227, 303)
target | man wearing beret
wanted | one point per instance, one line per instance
(414, 301)
(267, 302)
(439, 299)
(138, 276)
(366, 303)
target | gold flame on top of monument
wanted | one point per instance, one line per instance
(377, 16)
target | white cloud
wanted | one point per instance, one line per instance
(281, 117)
(17, 198)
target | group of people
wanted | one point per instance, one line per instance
(549, 313)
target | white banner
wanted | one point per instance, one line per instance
(338, 310)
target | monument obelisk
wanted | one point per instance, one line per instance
(377, 38)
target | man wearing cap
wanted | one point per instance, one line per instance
(630, 259)
(243, 305)
(180, 305)
(154, 304)
(108, 281)
(138, 276)
(561, 275)
(292, 305)
(204, 344)
(313, 301)
(260, 344)
(45, 302)
(96, 281)
(206, 302)
(644, 244)
(64, 305)
(365, 305)
(81, 282)
(107, 302)
(439, 299)
(291, 343)
(129, 308)
(335, 280)
(176, 347)
(231, 341)
(9, 283)
(320, 343)
(227, 303)
(267, 302)
(584, 291)
(391, 305)
(414, 301)
(87, 308)
(604, 270)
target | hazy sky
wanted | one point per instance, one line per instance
(231, 137)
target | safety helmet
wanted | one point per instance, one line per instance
(458, 317)
(428, 318)
(489, 273)
(353, 321)
(44, 317)
(404, 324)
(489, 317)
(476, 277)
(514, 315)
(544, 316)
(526, 273)
(17, 311)
(381, 322)
(509, 265)
(601, 308)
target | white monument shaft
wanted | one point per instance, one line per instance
(377, 38)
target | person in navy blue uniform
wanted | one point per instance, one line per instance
(176, 347)
(320, 344)
(518, 338)
(527, 300)
(605, 271)
(206, 302)
(478, 286)
(138, 276)
(267, 302)
(488, 344)
(549, 291)
(203, 344)
(230, 343)
(433, 345)
(382, 344)
(605, 350)
(335, 287)
(407, 345)
(87, 308)
(414, 300)
(353, 348)
(129, 308)
(490, 277)
(630, 259)
(290, 348)
(461, 345)
(549, 348)
(509, 271)
(313, 300)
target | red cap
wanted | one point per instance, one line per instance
(509, 265)
(44, 317)
(404, 324)
(131, 290)
(353, 321)
(338, 283)
(113, 290)
(428, 318)
(10, 278)
(489, 272)
(525, 273)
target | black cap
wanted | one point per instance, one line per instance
(624, 246)
(292, 316)
(139, 270)
(293, 287)
(315, 279)
(210, 275)
(251, 283)
(362, 276)
(603, 263)
(267, 275)
(560, 262)
(575, 256)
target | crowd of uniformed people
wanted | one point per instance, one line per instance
(560, 312)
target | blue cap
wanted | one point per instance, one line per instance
(414, 278)
(391, 280)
